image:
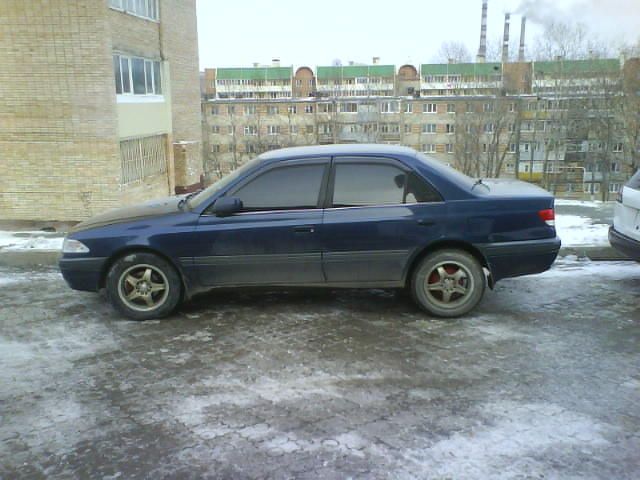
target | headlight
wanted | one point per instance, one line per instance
(74, 246)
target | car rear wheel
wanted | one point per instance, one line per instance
(142, 286)
(448, 283)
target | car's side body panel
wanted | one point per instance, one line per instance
(327, 246)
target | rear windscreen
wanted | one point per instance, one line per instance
(635, 181)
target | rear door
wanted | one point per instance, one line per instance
(627, 214)
(379, 213)
(276, 238)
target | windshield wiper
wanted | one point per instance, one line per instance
(183, 201)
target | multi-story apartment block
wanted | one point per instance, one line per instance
(102, 105)
(530, 120)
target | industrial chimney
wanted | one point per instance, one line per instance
(482, 50)
(275, 62)
(505, 41)
(522, 29)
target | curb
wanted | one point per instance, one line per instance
(37, 258)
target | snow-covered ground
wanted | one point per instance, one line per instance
(576, 230)
(583, 223)
(42, 241)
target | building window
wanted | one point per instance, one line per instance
(390, 107)
(408, 108)
(137, 76)
(249, 109)
(512, 148)
(293, 129)
(215, 110)
(451, 108)
(250, 130)
(615, 167)
(484, 148)
(407, 128)
(141, 8)
(272, 110)
(142, 157)
(308, 109)
(512, 107)
(469, 107)
(273, 129)
(292, 109)
(429, 147)
(614, 187)
(451, 128)
(349, 107)
(231, 109)
(215, 129)
(250, 147)
(449, 148)
(215, 148)
(618, 147)
(325, 129)
(429, 128)
(232, 130)
(489, 127)
(429, 108)
(390, 128)
(487, 107)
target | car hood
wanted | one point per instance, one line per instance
(153, 208)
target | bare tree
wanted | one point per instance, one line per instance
(453, 51)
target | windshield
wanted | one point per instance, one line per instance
(221, 184)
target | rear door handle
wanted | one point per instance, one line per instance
(304, 229)
(426, 223)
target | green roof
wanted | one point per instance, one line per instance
(353, 71)
(604, 65)
(464, 69)
(255, 73)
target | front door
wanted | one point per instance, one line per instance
(275, 239)
(380, 214)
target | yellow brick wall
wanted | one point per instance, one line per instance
(58, 146)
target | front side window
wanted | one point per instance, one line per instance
(283, 188)
(366, 184)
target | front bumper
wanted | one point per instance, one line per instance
(625, 245)
(82, 273)
(513, 259)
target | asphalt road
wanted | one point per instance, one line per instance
(543, 381)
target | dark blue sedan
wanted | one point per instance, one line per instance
(355, 216)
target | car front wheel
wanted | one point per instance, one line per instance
(143, 286)
(448, 283)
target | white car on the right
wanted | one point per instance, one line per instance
(624, 235)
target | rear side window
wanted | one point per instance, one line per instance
(283, 188)
(362, 184)
(634, 182)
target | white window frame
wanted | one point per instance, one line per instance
(429, 147)
(147, 61)
(429, 108)
(250, 130)
(145, 9)
(273, 129)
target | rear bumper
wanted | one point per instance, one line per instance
(625, 245)
(513, 259)
(82, 273)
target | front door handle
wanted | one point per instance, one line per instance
(304, 229)
(425, 222)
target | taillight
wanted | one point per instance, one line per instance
(619, 197)
(548, 216)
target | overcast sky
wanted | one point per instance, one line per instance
(238, 33)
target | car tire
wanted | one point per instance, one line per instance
(143, 286)
(448, 283)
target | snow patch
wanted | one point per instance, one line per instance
(575, 230)
(516, 433)
(18, 241)
(585, 268)
(579, 203)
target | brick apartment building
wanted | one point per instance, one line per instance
(551, 122)
(101, 105)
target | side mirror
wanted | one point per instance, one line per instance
(225, 206)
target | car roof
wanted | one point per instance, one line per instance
(334, 150)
